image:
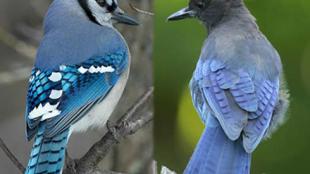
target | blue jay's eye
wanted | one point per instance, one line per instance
(111, 5)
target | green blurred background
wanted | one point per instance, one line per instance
(177, 46)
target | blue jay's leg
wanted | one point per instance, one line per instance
(111, 128)
(48, 154)
(217, 154)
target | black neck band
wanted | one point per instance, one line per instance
(88, 13)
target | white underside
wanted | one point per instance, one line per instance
(99, 114)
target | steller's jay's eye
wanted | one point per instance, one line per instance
(201, 4)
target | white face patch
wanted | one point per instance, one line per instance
(109, 2)
(55, 77)
(93, 69)
(101, 14)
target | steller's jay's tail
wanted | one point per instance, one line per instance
(217, 154)
(47, 154)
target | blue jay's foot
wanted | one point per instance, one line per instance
(70, 163)
(113, 130)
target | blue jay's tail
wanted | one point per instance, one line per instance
(48, 154)
(217, 154)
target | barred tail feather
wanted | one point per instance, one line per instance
(48, 154)
(217, 154)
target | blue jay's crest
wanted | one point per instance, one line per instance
(59, 98)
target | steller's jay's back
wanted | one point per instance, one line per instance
(237, 88)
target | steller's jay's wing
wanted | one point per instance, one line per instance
(240, 104)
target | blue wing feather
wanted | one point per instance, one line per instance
(239, 104)
(221, 103)
(80, 91)
(244, 92)
(260, 120)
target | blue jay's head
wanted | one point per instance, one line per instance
(208, 11)
(105, 12)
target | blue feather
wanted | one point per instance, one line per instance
(48, 154)
(78, 90)
(217, 154)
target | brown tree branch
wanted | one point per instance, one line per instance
(11, 156)
(125, 126)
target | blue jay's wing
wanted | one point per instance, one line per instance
(236, 100)
(60, 97)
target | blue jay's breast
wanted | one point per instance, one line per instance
(75, 44)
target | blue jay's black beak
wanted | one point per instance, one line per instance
(119, 16)
(182, 14)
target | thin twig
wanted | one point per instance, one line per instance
(138, 104)
(11, 156)
(19, 46)
(141, 11)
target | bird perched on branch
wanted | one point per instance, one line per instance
(80, 72)
(237, 87)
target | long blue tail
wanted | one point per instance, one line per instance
(217, 154)
(48, 154)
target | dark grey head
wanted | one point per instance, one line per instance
(208, 11)
(105, 12)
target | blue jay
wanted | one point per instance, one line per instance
(80, 72)
(237, 87)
